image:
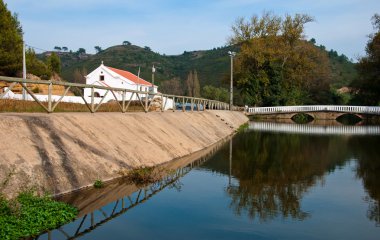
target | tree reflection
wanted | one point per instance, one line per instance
(274, 171)
(367, 152)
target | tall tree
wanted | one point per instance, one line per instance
(276, 65)
(367, 85)
(197, 86)
(64, 49)
(192, 84)
(10, 42)
(54, 63)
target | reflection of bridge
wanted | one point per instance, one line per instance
(316, 111)
(94, 219)
(314, 129)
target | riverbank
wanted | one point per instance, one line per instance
(62, 152)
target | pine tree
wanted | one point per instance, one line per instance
(54, 63)
(10, 42)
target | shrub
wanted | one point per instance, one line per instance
(142, 175)
(98, 183)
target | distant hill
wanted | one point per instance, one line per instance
(343, 70)
(213, 66)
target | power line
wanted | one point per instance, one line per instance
(44, 50)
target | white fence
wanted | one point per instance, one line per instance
(313, 108)
(314, 129)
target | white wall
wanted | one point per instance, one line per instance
(77, 99)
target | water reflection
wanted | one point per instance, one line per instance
(366, 151)
(264, 174)
(273, 171)
(94, 211)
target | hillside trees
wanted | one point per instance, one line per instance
(192, 84)
(10, 42)
(215, 93)
(367, 84)
(172, 86)
(276, 65)
(36, 66)
(54, 63)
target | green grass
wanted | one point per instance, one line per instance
(243, 128)
(29, 215)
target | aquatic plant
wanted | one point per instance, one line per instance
(29, 215)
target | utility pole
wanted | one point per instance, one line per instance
(23, 71)
(232, 55)
(138, 79)
(153, 71)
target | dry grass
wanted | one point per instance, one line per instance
(143, 175)
(11, 105)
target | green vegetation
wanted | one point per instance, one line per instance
(29, 215)
(192, 84)
(242, 128)
(276, 66)
(215, 93)
(212, 67)
(54, 63)
(367, 84)
(10, 42)
(36, 66)
(302, 118)
(98, 183)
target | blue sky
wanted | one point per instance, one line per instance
(174, 26)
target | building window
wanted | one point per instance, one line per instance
(101, 77)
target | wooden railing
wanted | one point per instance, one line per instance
(122, 96)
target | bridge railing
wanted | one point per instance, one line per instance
(314, 108)
(121, 96)
(314, 129)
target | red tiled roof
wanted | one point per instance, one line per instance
(130, 76)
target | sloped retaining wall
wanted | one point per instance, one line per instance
(62, 152)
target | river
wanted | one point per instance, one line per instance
(271, 181)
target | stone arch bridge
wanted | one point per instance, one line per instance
(324, 112)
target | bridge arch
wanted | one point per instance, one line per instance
(316, 111)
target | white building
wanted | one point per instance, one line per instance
(113, 77)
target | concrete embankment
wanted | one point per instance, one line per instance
(62, 152)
